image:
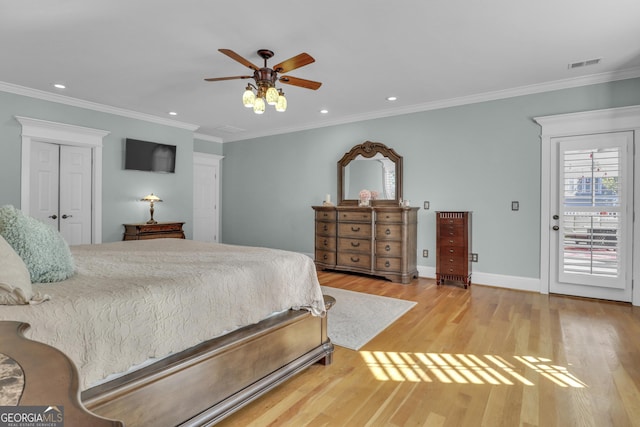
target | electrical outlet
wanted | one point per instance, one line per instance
(474, 257)
(426, 205)
(515, 206)
(425, 253)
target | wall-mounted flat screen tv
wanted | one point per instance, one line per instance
(149, 156)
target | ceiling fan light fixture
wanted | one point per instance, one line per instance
(281, 104)
(248, 98)
(272, 96)
(259, 106)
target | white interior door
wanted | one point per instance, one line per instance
(591, 217)
(205, 197)
(44, 178)
(60, 193)
(75, 194)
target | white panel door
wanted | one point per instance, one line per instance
(44, 178)
(205, 197)
(591, 216)
(75, 194)
(60, 189)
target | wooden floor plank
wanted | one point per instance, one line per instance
(481, 356)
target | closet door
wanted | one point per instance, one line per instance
(60, 194)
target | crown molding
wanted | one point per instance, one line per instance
(203, 137)
(592, 79)
(75, 102)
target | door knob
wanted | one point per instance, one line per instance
(556, 217)
(54, 216)
(556, 228)
(65, 216)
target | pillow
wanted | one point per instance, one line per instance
(15, 283)
(42, 248)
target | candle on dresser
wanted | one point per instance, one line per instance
(327, 198)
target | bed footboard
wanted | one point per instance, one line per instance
(50, 377)
(204, 384)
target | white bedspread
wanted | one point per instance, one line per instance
(131, 301)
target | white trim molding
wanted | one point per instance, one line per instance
(64, 134)
(583, 123)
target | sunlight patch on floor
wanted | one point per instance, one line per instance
(464, 368)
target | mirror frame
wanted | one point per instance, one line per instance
(369, 149)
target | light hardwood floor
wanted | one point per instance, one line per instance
(478, 357)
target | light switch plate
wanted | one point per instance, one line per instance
(515, 206)
(426, 205)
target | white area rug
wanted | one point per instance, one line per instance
(357, 318)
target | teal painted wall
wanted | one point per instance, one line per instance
(476, 157)
(122, 189)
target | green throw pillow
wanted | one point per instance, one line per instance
(42, 248)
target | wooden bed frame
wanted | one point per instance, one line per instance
(196, 387)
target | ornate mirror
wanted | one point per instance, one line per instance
(374, 167)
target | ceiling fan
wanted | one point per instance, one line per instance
(265, 79)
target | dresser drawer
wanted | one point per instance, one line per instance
(325, 243)
(389, 231)
(388, 264)
(358, 230)
(363, 216)
(452, 241)
(326, 215)
(155, 228)
(354, 260)
(453, 252)
(325, 228)
(326, 257)
(389, 217)
(354, 245)
(388, 249)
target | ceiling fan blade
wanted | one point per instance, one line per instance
(217, 79)
(293, 63)
(231, 54)
(295, 81)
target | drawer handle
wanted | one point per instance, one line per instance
(450, 251)
(355, 244)
(325, 228)
(387, 248)
(450, 241)
(355, 259)
(387, 264)
(451, 270)
(355, 228)
(325, 257)
(326, 242)
(450, 259)
(387, 232)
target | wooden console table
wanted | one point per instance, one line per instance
(160, 230)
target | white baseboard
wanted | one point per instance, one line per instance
(489, 279)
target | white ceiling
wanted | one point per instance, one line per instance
(151, 56)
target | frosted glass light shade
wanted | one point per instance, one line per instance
(272, 96)
(259, 106)
(248, 98)
(281, 104)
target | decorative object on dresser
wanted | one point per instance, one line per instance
(453, 241)
(158, 230)
(379, 238)
(151, 198)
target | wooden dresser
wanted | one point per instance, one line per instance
(160, 230)
(453, 247)
(380, 241)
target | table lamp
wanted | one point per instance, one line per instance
(151, 198)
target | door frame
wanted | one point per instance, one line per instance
(584, 123)
(64, 134)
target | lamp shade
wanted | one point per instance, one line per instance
(248, 98)
(259, 106)
(272, 96)
(151, 198)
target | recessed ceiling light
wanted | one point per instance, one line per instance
(392, 98)
(59, 86)
(323, 111)
(173, 113)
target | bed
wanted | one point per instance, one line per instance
(171, 331)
